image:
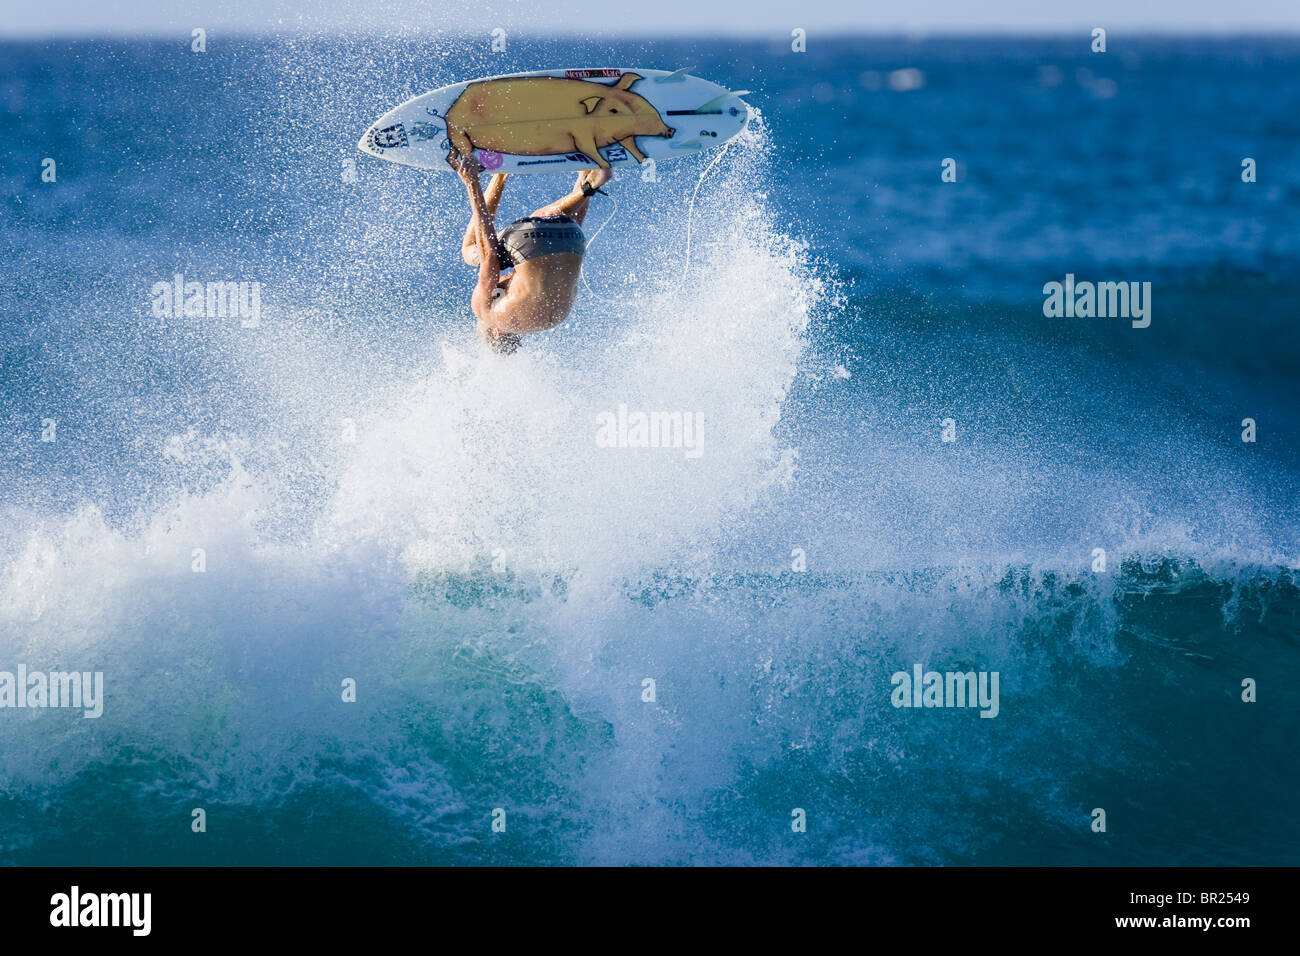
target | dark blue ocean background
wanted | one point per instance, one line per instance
(378, 500)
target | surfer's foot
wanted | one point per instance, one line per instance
(595, 178)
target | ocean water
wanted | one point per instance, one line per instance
(376, 500)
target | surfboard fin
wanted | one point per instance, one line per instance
(695, 142)
(717, 101)
(676, 76)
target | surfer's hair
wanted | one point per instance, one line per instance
(503, 343)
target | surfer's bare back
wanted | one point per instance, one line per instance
(543, 251)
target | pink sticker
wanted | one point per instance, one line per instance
(489, 159)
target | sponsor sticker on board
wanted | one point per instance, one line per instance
(589, 74)
(390, 137)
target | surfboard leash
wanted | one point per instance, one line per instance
(608, 219)
(690, 212)
(690, 216)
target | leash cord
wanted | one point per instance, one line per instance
(690, 215)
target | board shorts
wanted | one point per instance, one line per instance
(535, 236)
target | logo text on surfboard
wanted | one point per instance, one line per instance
(588, 74)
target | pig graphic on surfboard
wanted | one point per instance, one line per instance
(499, 115)
(560, 121)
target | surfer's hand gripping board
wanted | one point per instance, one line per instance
(467, 166)
(559, 121)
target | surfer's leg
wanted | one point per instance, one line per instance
(492, 195)
(575, 204)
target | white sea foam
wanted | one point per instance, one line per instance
(469, 461)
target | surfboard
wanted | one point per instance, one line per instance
(560, 120)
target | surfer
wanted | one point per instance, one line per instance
(543, 251)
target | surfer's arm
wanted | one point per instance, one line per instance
(489, 265)
(492, 196)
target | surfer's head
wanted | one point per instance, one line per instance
(503, 343)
